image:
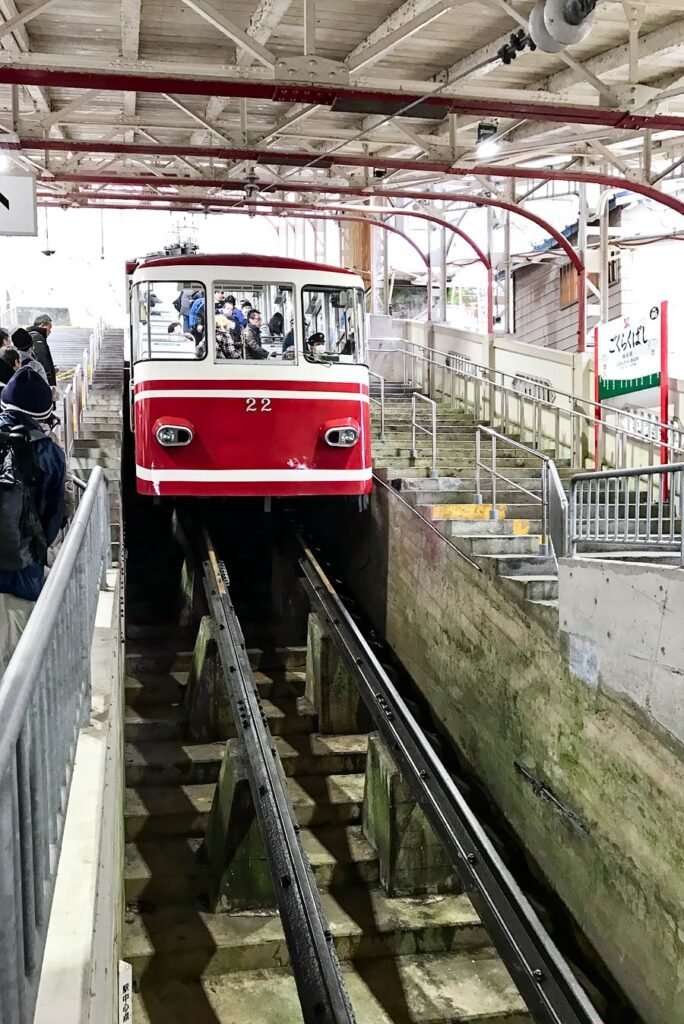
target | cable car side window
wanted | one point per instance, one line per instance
(334, 324)
(254, 321)
(168, 320)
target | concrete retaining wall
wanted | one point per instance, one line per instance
(624, 628)
(608, 830)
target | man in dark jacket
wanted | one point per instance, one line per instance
(251, 337)
(26, 405)
(23, 342)
(42, 326)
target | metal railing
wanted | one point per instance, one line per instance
(380, 402)
(552, 499)
(418, 426)
(76, 395)
(563, 422)
(631, 507)
(44, 701)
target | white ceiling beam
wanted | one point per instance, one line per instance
(198, 118)
(130, 28)
(81, 101)
(179, 159)
(655, 43)
(397, 28)
(27, 15)
(266, 17)
(17, 43)
(480, 60)
(582, 70)
(612, 158)
(309, 28)
(412, 137)
(233, 31)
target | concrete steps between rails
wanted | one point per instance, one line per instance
(469, 987)
(185, 942)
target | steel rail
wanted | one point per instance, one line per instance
(322, 992)
(550, 990)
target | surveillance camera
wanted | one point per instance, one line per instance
(48, 252)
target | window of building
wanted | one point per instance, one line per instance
(168, 320)
(254, 320)
(334, 324)
(569, 281)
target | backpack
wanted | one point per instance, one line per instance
(22, 539)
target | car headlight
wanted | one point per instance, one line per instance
(342, 437)
(174, 437)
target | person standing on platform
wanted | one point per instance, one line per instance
(42, 326)
(32, 494)
(22, 341)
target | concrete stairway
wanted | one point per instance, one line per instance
(506, 546)
(100, 437)
(425, 960)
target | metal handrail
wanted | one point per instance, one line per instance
(551, 485)
(486, 372)
(44, 701)
(381, 403)
(630, 507)
(486, 389)
(417, 426)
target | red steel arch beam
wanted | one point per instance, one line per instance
(367, 100)
(337, 218)
(430, 218)
(383, 211)
(302, 159)
(410, 194)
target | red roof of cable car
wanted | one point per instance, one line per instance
(240, 260)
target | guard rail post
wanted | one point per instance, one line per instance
(478, 488)
(544, 544)
(379, 377)
(681, 518)
(494, 512)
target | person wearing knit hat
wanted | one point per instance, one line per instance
(23, 342)
(25, 413)
(27, 393)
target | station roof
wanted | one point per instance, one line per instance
(176, 102)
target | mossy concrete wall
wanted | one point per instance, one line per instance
(611, 840)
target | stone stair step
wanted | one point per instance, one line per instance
(143, 688)
(183, 810)
(532, 588)
(520, 565)
(471, 988)
(171, 870)
(144, 658)
(173, 763)
(501, 544)
(185, 942)
(153, 722)
(465, 527)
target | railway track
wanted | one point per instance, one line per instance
(256, 885)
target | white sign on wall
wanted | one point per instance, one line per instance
(18, 205)
(630, 356)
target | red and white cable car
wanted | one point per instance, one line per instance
(216, 412)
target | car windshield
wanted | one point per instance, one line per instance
(333, 324)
